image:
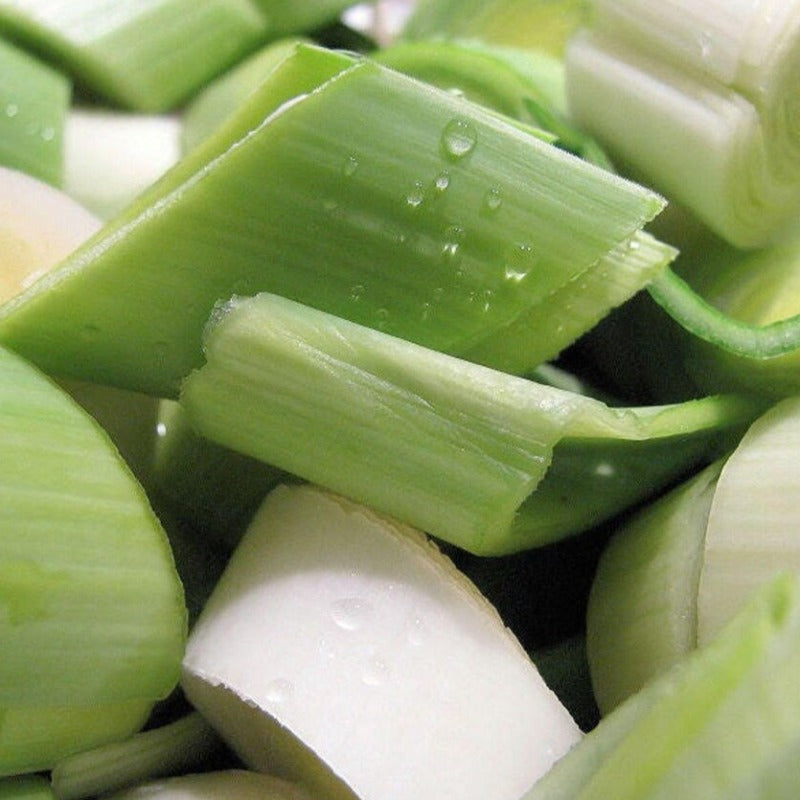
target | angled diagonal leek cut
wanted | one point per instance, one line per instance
(354, 189)
(344, 651)
(92, 620)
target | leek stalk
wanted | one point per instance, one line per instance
(451, 447)
(428, 217)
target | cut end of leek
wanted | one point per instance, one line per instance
(343, 651)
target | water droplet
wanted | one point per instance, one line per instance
(705, 44)
(350, 166)
(459, 139)
(605, 470)
(416, 196)
(442, 182)
(278, 691)
(519, 263)
(381, 318)
(357, 292)
(438, 293)
(453, 237)
(492, 200)
(376, 672)
(425, 311)
(161, 429)
(350, 613)
(487, 297)
(48, 134)
(329, 205)
(634, 244)
(12, 109)
(454, 91)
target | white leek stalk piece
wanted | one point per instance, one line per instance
(222, 785)
(344, 651)
(110, 157)
(700, 101)
(39, 225)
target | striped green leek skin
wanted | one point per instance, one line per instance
(722, 724)
(93, 612)
(451, 447)
(372, 196)
(148, 55)
(34, 99)
(543, 24)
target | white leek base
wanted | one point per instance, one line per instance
(336, 637)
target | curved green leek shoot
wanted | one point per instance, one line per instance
(454, 448)
(428, 216)
(714, 94)
(144, 56)
(34, 99)
(185, 745)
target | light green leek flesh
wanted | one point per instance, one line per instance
(93, 609)
(146, 56)
(451, 447)
(445, 235)
(541, 24)
(722, 724)
(642, 611)
(33, 105)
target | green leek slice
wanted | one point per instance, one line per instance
(428, 217)
(145, 55)
(451, 447)
(542, 24)
(722, 724)
(93, 621)
(288, 16)
(713, 90)
(34, 99)
(28, 787)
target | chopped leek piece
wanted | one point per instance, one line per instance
(184, 745)
(235, 783)
(451, 447)
(288, 16)
(541, 24)
(39, 225)
(220, 99)
(28, 787)
(112, 157)
(713, 90)
(642, 612)
(345, 652)
(147, 56)
(722, 724)
(428, 216)
(93, 611)
(33, 104)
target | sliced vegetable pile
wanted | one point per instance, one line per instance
(399, 400)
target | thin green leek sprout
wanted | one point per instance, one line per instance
(344, 651)
(95, 623)
(452, 447)
(182, 746)
(218, 785)
(722, 724)
(34, 99)
(345, 185)
(713, 90)
(143, 56)
(538, 24)
(110, 157)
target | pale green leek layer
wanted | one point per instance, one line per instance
(451, 447)
(354, 189)
(33, 105)
(144, 55)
